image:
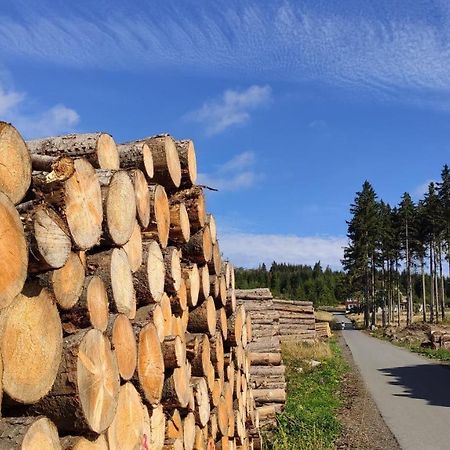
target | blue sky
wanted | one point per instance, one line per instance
(291, 104)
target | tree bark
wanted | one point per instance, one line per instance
(188, 162)
(136, 155)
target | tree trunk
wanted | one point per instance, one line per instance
(98, 148)
(424, 300)
(136, 155)
(127, 428)
(31, 345)
(113, 267)
(432, 310)
(28, 433)
(15, 164)
(13, 252)
(142, 197)
(188, 162)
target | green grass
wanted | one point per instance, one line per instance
(310, 420)
(440, 354)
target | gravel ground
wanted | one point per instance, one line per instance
(363, 426)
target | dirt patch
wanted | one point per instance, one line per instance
(363, 426)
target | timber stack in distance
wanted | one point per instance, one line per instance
(120, 328)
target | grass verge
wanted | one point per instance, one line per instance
(310, 420)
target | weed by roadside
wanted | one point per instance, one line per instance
(310, 420)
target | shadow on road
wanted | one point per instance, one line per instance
(428, 382)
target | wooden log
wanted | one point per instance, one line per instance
(202, 409)
(150, 366)
(176, 388)
(113, 267)
(157, 427)
(198, 353)
(212, 429)
(15, 163)
(133, 248)
(81, 443)
(205, 287)
(231, 304)
(222, 297)
(214, 286)
(222, 323)
(13, 251)
(142, 197)
(127, 427)
(159, 225)
(67, 282)
(203, 318)
(119, 205)
(222, 416)
(31, 345)
(122, 336)
(84, 395)
(154, 314)
(48, 238)
(254, 294)
(189, 432)
(269, 395)
(194, 200)
(199, 247)
(28, 433)
(166, 162)
(263, 371)
(174, 352)
(188, 162)
(79, 200)
(172, 264)
(174, 426)
(149, 279)
(191, 278)
(136, 155)
(98, 148)
(91, 309)
(269, 344)
(235, 326)
(268, 359)
(166, 307)
(215, 264)
(180, 229)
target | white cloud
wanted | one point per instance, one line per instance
(235, 174)
(233, 108)
(14, 107)
(422, 189)
(249, 249)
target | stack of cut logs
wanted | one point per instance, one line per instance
(267, 369)
(296, 320)
(119, 325)
(323, 320)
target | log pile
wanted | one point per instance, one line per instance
(296, 320)
(267, 369)
(119, 323)
(323, 319)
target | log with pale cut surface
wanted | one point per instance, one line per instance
(126, 429)
(188, 162)
(159, 225)
(28, 433)
(136, 155)
(15, 163)
(150, 365)
(113, 267)
(84, 395)
(149, 279)
(203, 318)
(194, 200)
(142, 196)
(133, 248)
(205, 286)
(120, 332)
(157, 427)
(174, 352)
(13, 252)
(174, 425)
(180, 229)
(98, 148)
(202, 407)
(172, 264)
(119, 205)
(31, 345)
(215, 264)
(189, 431)
(199, 248)
(48, 238)
(176, 388)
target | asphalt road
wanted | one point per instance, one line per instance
(411, 392)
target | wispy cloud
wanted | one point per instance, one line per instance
(422, 189)
(387, 50)
(236, 174)
(249, 250)
(14, 107)
(233, 108)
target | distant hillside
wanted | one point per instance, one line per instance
(301, 282)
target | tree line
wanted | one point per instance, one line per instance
(296, 282)
(400, 252)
